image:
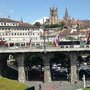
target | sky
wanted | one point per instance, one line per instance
(31, 10)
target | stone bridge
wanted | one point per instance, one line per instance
(46, 54)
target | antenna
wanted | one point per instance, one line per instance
(21, 19)
(8, 16)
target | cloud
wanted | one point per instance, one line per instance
(41, 20)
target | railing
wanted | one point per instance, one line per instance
(74, 46)
(48, 48)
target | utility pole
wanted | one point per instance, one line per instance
(44, 37)
(84, 81)
(27, 69)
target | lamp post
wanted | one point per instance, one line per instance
(27, 68)
(44, 37)
(84, 81)
(29, 38)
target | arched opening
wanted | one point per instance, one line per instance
(12, 67)
(34, 68)
(60, 67)
(83, 67)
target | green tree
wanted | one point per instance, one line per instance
(61, 58)
(36, 60)
(37, 24)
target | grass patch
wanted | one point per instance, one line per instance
(6, 84)
(86, 89)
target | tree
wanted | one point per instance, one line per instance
(37, 24)
(61, 58)
(36, 60)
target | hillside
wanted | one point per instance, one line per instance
(6, 84)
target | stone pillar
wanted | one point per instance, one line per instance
(73, 58)
(0, 65)
(47, 73)
(3, 64)
(21, 71)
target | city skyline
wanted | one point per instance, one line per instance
(30, 11)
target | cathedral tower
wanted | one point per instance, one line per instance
(53, 15)
(66, 17)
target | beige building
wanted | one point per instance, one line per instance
(53, 16)
(18, 33)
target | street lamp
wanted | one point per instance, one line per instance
(27, 68)
(44, 37)
(84, 81)
(29, 38)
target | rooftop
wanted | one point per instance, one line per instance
(20, 23)
(7, 20)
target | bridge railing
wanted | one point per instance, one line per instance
(47, 47)
(73, 46)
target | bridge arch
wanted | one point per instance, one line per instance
(34, 64)
(3, 64)
(60, 66)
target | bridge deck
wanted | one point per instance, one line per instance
(48, 49)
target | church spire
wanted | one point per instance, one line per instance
(21, 20)
(66, 14)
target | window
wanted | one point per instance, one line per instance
(23, 39)
(5, 28)
(8, 33)
(3, 38)
(26, 34)
(23, 33)
(13, 23)
(1, 23)
(20, 33)
(17, 33)
(3, 34)
(14, 33)
(4, 23)
(8, 28)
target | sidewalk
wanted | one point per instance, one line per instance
(54, 85)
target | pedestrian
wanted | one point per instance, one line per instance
(40, 88)
(75, 82)
(60, 83)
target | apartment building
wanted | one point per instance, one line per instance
(19, 33)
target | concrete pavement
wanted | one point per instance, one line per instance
(55, 85)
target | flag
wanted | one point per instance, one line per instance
(88, 38)
(57, 40)
(30, 42)
(55, 44)
(2, 42)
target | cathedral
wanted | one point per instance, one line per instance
(54, 16)
(67, 20)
